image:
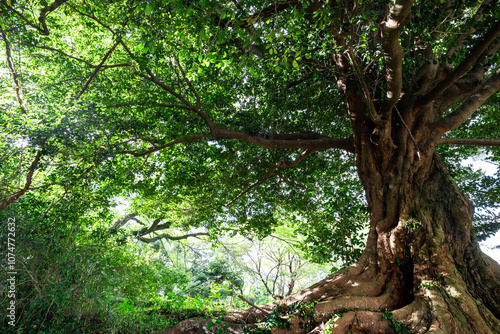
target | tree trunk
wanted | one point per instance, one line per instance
(422, 270)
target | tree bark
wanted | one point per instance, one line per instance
(422, 268)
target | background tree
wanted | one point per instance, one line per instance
(239, 113)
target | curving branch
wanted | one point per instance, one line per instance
(468, 83)
(216, 131)
(469, 142)
(462, 68)
(469, 106)
(42, 26)
(122, 221)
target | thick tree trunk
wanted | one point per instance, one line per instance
(422, 260)
(422, 270)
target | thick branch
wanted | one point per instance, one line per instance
(29, 180)
(122, 221)
(45, 11)
(364, 87)
(42, 27)
(155, 226)
(393, 52)
(469, 142)
(465, 65)
(253, 305)
(468, 83)
(469, 106)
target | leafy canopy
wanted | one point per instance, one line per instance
(185, 106)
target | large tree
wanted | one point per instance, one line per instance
(242, 113)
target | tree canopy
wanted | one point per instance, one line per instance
(241, 116)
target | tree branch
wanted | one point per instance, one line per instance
(152, 78)
(459, 42)
(96, 70)
(469, 106)
(122, 221)
(319, 144)
(197, 97)
(47, 10)
(468, 83)
(42, 27)
(171, 237)
(155, 226)
(253, 305)
(464, 66)
(29, 180)
(469, 142)
(89, 64)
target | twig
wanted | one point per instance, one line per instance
(409, 132)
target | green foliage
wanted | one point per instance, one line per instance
(218, 321)
(72, 277)
(113, 103)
